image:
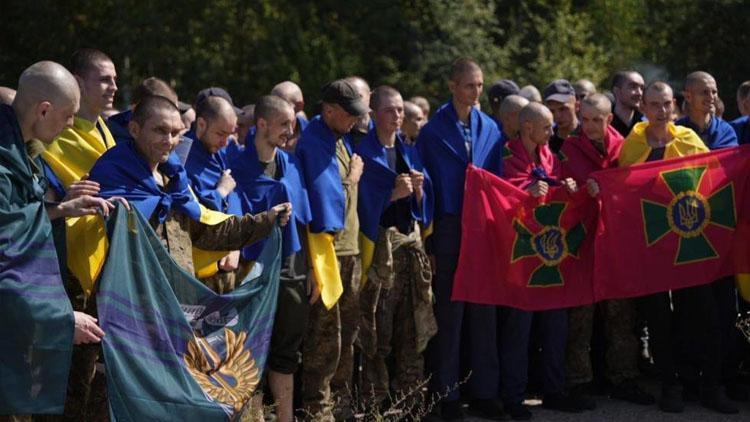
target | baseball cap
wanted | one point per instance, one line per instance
(560, 90)
(344, 94)
(502, 89)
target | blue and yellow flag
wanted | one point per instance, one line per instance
(174, 349)
(36, 332)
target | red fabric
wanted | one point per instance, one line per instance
(486, 273)
(517, 167)
(627, 266)
(580, 158)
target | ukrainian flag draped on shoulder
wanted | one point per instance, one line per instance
(37, 326)
(174, 349)
(636, 148)
(123, 172)
(316, 151)
(258, 192)
(376, 187)
(70, 157)
(442, 148)
(204, 170)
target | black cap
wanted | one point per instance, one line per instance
(344, 94)
(560, 90)
(501, 89)
(215, 91)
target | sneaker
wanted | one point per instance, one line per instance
(451, 411)
(579, 394)
(518, 411)
(671, 399)
(563, 403)
(487, 409)
(716, 399)
(630, 392)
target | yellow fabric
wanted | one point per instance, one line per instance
(636, 149)
(205, 262)
(325, 266)
(743, 285)
(367, 251)
(71, 156)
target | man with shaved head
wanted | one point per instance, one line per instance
(414, 119)
(7, 95)
(741, 125)
(37, 330)
(584, 88)
(292, 93)
(509, 115)
(422, 103)
(530, 165)
(118, 124)
(364, 124)
(627, 87)
(560, 98)
(701, 94)
(531, 93)
(266, 175)
(596, 148)
(458, 134)
(207, 167)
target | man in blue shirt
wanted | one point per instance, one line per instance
(741, 125)
(700, 96)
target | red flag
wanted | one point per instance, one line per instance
(671, 224)
(520, 251)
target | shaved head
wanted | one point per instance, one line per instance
(657, 87)
(584, 87)
(598, 101)
(270, 106)
(422, 103)
(534, 112)
(513, 104)
(153, 86)
(213, 107)
(463, 66)
(7, 95)
(531, 93)
(380, 94)
(411, 110)
(290, 92)
(697, 77)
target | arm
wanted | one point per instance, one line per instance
(237, 232)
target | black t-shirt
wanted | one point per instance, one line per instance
(398, 213)
(623, 127)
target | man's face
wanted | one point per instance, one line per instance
(53, 118)
(467, 89)
(338, 119)
(99, 85)
(657, 107)
(630, 91)
(244, 123)
(215, 133)
(594, 122)
(158, 136)
(511, 124)
(390, 113)
(540, 129)
(280, 127)
(564, 114)
(413, 124)
(701, 95)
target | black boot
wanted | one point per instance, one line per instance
(630, 392)
(487, 409)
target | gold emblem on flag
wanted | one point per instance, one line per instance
(230, 380)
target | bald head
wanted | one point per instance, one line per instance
(509, 114)
(463, 66)
(215, 122)
(290, 92)
(7, 95)
(533, 112)
(600, 102)
(214, 107)
(153, 86)
(536, 124)
(422, 103)
(658, 103)
(596, 116)
(583, 88)
(531, 93)
(46, 100)
(697, 78)
(701, 95)
(411, 110)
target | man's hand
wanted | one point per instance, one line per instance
(356, 166)
(402, 187)
(226, 184)
(540, 188)
(570, 185)
(592, 187)
(281, 212)
(417, 183)
(83, 205)
(312, 287)
(230, 262)
(86, 330)
(81, 188)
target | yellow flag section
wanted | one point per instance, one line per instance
(325, 267)
(636, 147)
(206, 262)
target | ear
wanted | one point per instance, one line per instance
(134, 128)
(42, 109)
(261, 124)
(609, 118)
(200, 126)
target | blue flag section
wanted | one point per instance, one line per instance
(174, 349)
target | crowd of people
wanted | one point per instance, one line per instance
(381, 180)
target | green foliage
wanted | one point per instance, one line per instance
(248, 46)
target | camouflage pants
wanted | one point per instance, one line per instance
(396, 334)
(221, 282)
(622, 347)
(328, 352)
